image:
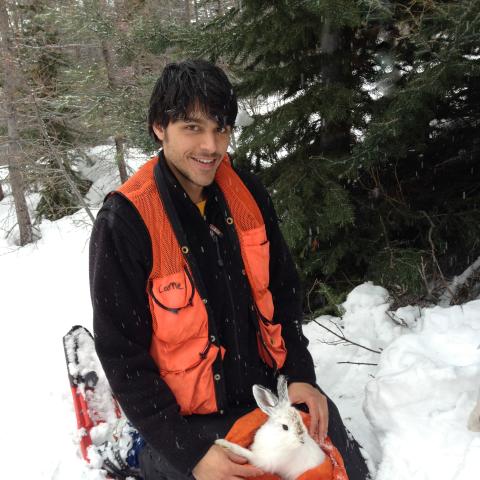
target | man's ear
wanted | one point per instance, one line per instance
(159, 131)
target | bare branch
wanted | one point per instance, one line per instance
(360, 363)
(342, 337)
(59, 161)
(434, 256)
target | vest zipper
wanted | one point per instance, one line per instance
(221, 264)
(259, 317)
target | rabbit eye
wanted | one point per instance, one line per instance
(285, 427)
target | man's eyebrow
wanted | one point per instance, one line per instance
(201, 120)
(189, 118)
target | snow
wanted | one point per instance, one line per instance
(405, 389)
(459, 280)
(411, 411)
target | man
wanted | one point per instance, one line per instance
(195, 295)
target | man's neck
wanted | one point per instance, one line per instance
(197, 198)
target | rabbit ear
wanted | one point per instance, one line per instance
(282, 390)
(266, 400)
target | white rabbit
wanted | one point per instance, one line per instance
(282, 445)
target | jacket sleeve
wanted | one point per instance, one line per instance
(120, 262)
(286, 290)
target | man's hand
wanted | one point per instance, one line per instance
(221, 464)
(317, 407)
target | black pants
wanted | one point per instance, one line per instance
(346, 445)
(155, 467)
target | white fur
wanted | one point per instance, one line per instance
(287, 453)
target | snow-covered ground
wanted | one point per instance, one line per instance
(405, 391)
(410, 412)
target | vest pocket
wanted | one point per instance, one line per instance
(173, 292)
(256, 248)
(256, 256)
(178, 313)
(192, 383)
(180, 344)
(271, 345)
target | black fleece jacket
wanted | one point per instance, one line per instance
(120, 263)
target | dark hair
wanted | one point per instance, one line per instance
(190, 85)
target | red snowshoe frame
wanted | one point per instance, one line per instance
(86, 416)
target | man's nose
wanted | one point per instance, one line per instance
(209, 142)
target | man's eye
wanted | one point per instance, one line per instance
(192, 128)
(222, 130)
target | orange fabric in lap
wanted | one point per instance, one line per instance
(244, 429)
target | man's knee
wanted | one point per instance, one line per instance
(155, 467)
(347, 446)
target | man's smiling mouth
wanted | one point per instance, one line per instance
(204, 161)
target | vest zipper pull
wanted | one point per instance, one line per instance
(219, 256)
(215, 233)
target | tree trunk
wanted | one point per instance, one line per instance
(195, 4)
(335, 137)
(113, 85)
(2, 195)
(219, 7)
(107, 58)
(188, 15)
(120, 157)
(14, 154)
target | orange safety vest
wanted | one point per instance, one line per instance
(182, 346)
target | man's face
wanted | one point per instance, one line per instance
(194, 148)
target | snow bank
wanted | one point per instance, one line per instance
(365, 318)
(409, 404)
(422, 394)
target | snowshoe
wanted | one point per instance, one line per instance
(106, 439)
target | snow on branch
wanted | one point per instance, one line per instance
(457, 282)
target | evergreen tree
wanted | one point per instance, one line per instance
(419, 159)
(48, 133)
(368, 113)
(11, 94)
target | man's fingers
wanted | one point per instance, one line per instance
(318, 410)
(241, 466)
(323, 424)
(314, 420)
(220, 464)
(300, 392)
(247, 471)
(235, 458)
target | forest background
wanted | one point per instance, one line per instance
(361, 117)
